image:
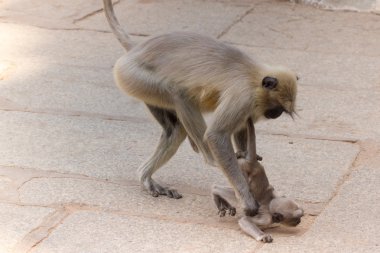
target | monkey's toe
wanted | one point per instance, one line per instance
(172, 193)
(154, 193)
(232, 211)
(222, 213)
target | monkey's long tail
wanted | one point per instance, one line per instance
(119, 32)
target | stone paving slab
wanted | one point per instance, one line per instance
(53, 14)
(170, 15)
(116, 197)
(114, 149)
(17, 221)
(86, 49)
(102, 232)
(288, 26)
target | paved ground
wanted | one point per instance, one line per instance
(70, 142)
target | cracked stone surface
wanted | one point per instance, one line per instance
(70, 141)
(170, 15)
(288, 26)
(17, 221)
(337, 229)
(101, 232)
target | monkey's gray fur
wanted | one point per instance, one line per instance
(273, 208)
(181, 75)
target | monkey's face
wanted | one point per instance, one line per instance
(285, 211)
(280, 90)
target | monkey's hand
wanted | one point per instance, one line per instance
(243, 154)
(267, 238)
(252, 211)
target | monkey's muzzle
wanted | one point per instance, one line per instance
(274, 112)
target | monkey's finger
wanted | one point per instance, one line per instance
(222, 213)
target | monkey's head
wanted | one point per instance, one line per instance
(285, 211)
(277, 93)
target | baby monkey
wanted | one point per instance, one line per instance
(273, 208)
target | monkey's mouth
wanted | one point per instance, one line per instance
(274, 113)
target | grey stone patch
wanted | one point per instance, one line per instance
(349, 223)
(85, 49)
(4, 182)
(300, 169)
(68, 90)
(156, 17)
(17, 221)
(102, 232)
(349, 5)
(330, 114)
(288, 26)
(110, 196)
(50, 14)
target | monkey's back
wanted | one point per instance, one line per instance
(196, 65)
(188, 58)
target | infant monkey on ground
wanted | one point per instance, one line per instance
(273, 208)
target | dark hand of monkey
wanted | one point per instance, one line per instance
(243, 154)
(252, 212)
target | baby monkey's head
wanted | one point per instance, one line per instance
(285, 211)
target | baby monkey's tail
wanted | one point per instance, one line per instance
(119, 32)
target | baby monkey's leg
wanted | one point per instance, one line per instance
(253, 230)
(223, 196)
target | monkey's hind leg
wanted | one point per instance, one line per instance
(172, 136)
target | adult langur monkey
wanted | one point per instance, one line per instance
(180, 75)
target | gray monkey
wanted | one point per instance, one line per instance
(181, 75)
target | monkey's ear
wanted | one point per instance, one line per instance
(269, 82)
(277, 217)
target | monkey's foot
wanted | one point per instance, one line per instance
(155, 190)
(267, 238)
(230, 211)
(225, 207)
